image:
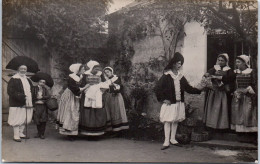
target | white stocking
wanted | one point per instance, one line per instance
(16, 132)
(21, 129)
(167, 130)
(173, 132)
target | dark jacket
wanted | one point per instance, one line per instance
(165, 89)
(45, 94)
(16, 92)
(74, 86)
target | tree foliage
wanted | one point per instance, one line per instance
(67, 26)
(167, 18)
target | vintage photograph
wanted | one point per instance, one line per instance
(130, 81)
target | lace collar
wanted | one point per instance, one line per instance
(246, 71)
(218, 68)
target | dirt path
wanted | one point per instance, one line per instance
(56, 148)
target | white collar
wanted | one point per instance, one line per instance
(246, 71)
(17, 76)
(178, 76)
(218, 68)
(75, 77)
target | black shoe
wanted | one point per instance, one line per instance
(42, 137)
(17, 140)
(165, 147)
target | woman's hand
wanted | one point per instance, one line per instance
(85, 87)
(167, 102)
(250, 90)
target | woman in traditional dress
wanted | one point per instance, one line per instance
(170, 90)
(92, 113)
(244, 104)
(114, 103)
(40, 116)
(68, 112)
(218, 99)
(20, 102)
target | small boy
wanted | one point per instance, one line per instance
(40, 116)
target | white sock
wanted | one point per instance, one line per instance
(16, 132)
(167, 130)
(21, 129)
(173, 132)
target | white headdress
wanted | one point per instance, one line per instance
(226, 56)
(109, 68)
(246, 59)
(91, 64)
(75, 67)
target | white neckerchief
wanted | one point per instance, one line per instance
(113, 79)
(246, 71)
(75, 77)
(26, 88)
(218, 68)
(177, 85)
(178, 76)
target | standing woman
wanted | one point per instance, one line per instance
(170, 90)
(92, 116)
(20, 102)
(244, 104)
(218, 99)
(114, 103)
(68, 112)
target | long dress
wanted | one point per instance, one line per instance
(92, 120)
(218, 100)
(68, 112)
(115, 107)
(244, 105)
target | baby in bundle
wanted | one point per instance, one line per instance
(93, 95)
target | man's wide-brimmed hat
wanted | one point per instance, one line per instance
(16, 62)
(43, 76)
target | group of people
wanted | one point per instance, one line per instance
(230, 96)
(27, 101)
(92, 103)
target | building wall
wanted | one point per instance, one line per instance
(18, 47)
(194, 49)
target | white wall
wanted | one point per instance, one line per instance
(195, 52)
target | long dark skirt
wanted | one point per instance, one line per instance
(40, 114)
(116, 113)
(217, 114)
(92, 120)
